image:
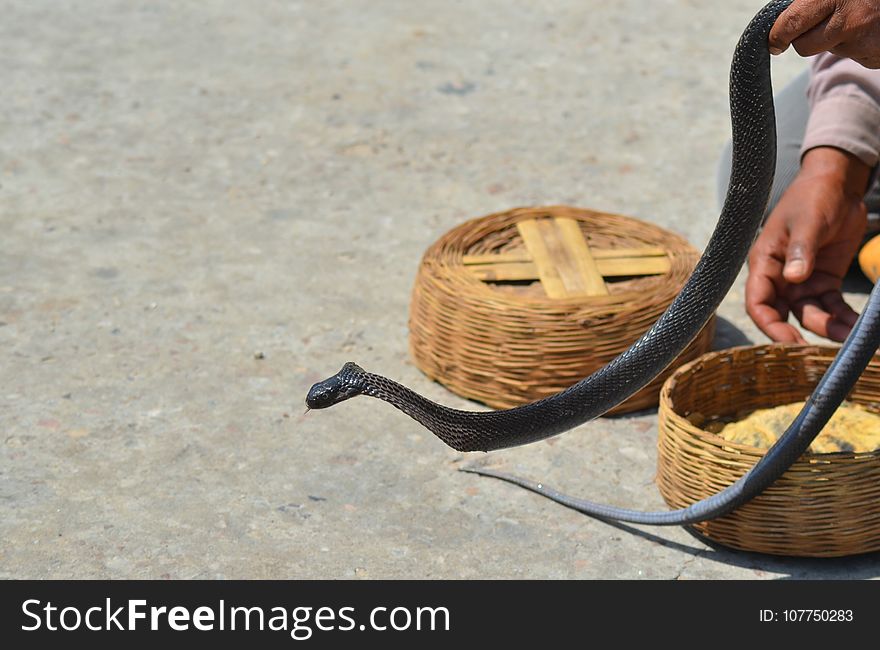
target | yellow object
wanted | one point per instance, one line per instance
(869, 259)
(852, 428)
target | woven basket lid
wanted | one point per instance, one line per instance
(518, 305)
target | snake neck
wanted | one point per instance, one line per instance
(440, 420)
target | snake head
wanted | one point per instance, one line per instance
(338, 388)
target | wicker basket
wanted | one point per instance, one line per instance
(505, 343)
(825, 505)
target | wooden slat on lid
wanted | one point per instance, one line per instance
(557, 254)
(579, 255)
(547, 272)
(522, 255)
(608, 268)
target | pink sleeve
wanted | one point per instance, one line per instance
(844, 102)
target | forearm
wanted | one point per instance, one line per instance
(838, 167)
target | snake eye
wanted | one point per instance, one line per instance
(332, 390)
(322, 395)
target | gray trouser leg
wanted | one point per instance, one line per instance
(792, 112)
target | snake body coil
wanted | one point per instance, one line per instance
(754, 156)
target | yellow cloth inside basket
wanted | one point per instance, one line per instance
(852, 428)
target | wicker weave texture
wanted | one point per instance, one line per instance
(825, 505)
(506, 344)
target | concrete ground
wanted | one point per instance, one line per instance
(206, 207)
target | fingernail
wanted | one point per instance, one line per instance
(795, 267)
(775, 50)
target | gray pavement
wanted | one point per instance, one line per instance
(205, 207)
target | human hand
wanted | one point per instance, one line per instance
(847, 28)
(798, 262)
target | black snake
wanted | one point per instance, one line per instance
(754, 155)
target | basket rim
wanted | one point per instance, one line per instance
(666, 406)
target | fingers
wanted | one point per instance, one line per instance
(835, 305)
(800, 255)
(824, 37)
(765, 284)
(827, 316)
(819, 284)
(799, 263)
(765, 305)
(846, 28)
(817, 304)
(801, 17)
(769, 321)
